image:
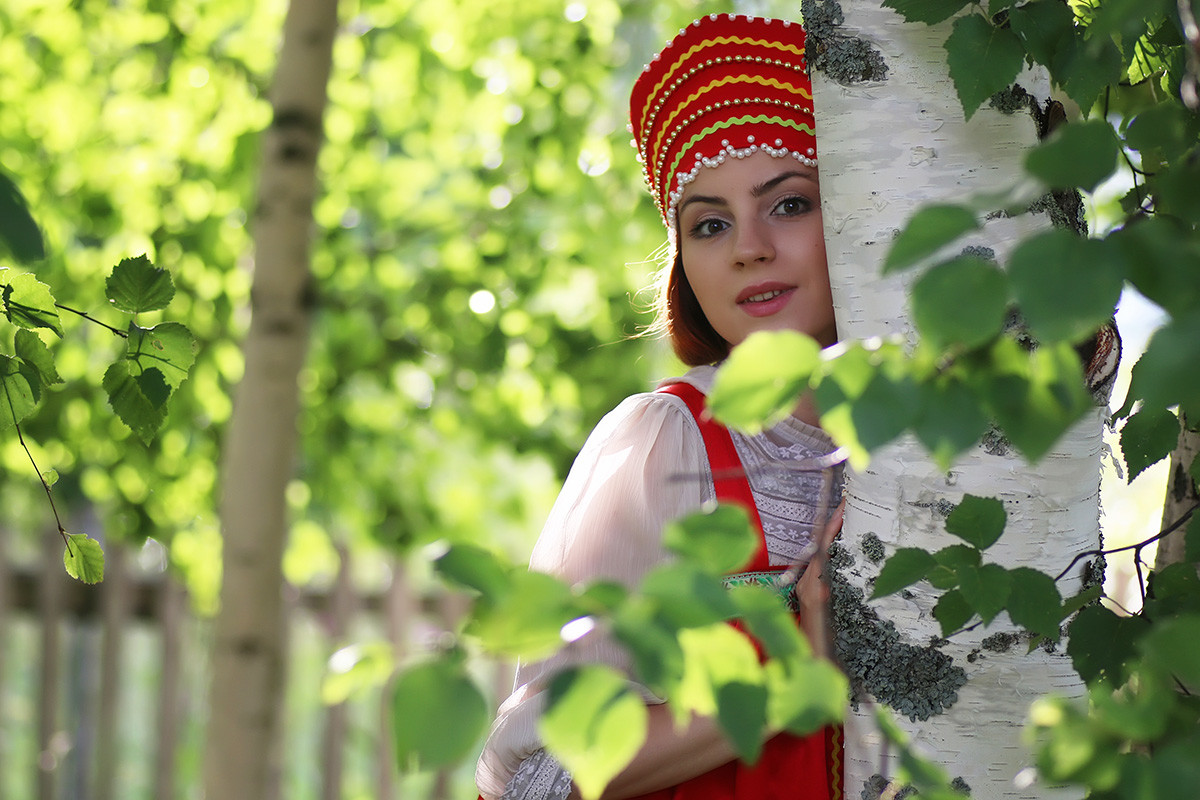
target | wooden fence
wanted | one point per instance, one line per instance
(102, 688)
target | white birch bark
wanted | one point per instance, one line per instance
(242, 748)
(886, 148)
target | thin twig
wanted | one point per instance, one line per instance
(1169, 529)
(21, 438)
(90, 318)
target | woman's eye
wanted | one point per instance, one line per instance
(790, 206)
(708, 227)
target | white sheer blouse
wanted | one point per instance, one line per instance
(642, 466)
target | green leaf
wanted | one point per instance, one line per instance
(1148, 437)
(153, 386)
(928, 11)
(30, 348)
(18, 401)
(18, 230)
(714, 656)
(943, 578)
(1175, 191)
(1166, 129)
(977, 520)
(958, 555)
(1192, 540)
(1041, 26)
(1163, 258)
(423, 699)
(865, 396)
(962, 302)
(1137, 712)
(950, 419)
(1066, 286)
(168, 347)
(719, 541)
(356, 670)
(952, 611)
(1166, 374)
(805, 695)
(603, 596)
(651, 642)
(986, 589)
(688, 597)
(769, 622)
(1077, 156)
(526, 621)
(83, 558)
(1174, 646)
(1034, 602)
(843, 380)
(143, 416)
(475, 568)
(742, 715)
(1101, 643)
(763, 378)
(593, 724)
(1084, 65)
(136, 285)
(905, 567)
(930, 229)
(886, 407)
(1035, 396)
(983, 60)
(1174, 591)
(28, 302)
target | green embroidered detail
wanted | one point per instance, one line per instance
(767, 580)
(733, 121)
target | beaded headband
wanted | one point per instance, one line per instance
(726, 87)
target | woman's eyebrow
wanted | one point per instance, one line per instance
(766, 186)
(702, 198)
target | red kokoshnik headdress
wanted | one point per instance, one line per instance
(725, 87)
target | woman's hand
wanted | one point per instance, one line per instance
(812, 590)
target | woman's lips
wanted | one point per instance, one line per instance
(763, 301)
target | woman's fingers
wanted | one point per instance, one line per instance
(834, 526)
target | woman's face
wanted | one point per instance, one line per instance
(753, 249)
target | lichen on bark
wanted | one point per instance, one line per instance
(842, 58)
(917, 682)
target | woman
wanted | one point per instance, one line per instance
(722, 119)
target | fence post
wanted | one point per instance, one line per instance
(49, 737)
(398, 611)
(114, 611)
(172, 613)
(333, 737)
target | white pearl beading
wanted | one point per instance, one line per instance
(682, 179)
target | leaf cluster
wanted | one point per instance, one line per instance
(1136, 737)
(755, 677)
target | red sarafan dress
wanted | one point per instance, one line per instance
(791, 767)
(643, 465)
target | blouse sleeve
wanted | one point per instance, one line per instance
(643, 466)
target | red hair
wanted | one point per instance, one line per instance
(679, 316)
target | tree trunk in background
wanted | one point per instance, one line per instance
(242, 749)
(887, 147)
(1182, 495)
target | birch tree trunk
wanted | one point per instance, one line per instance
(1182, 495)
(242, 749)
(888, 145)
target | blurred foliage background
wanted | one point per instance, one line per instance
(483, 246)
(476, 293)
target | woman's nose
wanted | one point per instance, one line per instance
(753, 244)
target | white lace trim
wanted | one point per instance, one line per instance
(540, 777)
